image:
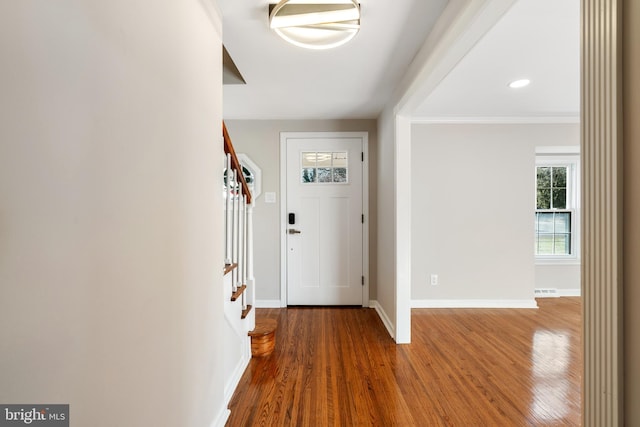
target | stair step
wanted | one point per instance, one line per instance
(228, 268)
(245, 312)
(239, 292)
(263, 337)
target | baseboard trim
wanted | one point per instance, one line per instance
(546, 293)
(473, 303)
(569, 292)
(268, 303)
(556, 293)
(383, 316)
(221, 419)
(238, 371)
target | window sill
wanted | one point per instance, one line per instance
(558, 261)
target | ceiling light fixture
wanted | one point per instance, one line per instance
(315, 25)
(516, 84)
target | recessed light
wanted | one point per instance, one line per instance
(519, 83)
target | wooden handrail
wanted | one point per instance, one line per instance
(235, 163)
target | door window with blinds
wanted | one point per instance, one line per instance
(324, 167)
(556, 209)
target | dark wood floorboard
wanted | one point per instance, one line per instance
(465, 367)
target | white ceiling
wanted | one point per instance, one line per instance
(351, 81)
(536, 39)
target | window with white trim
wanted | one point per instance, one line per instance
(556, 214)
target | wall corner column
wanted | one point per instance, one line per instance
(602, 206)
(403, 229)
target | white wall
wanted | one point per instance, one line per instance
(110, 218)
(565, 278)
(385, 262)
(260, 140)
(473, 218)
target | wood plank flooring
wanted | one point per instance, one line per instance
(465, 367)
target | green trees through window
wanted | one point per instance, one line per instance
(551, 186)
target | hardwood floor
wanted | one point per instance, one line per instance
(465, 367)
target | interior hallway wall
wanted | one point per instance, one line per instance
(110, 218)
(473, 210)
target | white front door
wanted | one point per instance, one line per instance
(324, 220)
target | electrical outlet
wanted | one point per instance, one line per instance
(434, 279)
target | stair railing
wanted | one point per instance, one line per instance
(238, 227)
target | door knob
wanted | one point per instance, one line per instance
(292, 231)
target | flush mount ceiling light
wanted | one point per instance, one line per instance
(516, 84)
(319, 25)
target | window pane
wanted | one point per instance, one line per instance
(545, 222)
(324, 174)
(543, 199)
(309, 175)
(544, 244)
(324, 160)
(340, 160)
(559, 198)
(562, 244)
(339, 174)
(248, 175)
(553, 228)
(544, 177)
(308, 160)
(559, 177)
(563, 222)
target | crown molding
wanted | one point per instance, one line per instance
(498, 120)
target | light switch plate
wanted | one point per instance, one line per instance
(269, 197)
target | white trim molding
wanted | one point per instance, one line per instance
(498, 120)
(555, 293)
(473, 303)
(558, 150)
(540, 260)
(221, 419)
(238, 371)
(568, 158)
(569, 292)
(247, 162)
(268, 303)
(384, 317)
(283, 222)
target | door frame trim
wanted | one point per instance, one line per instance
(284, 136)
